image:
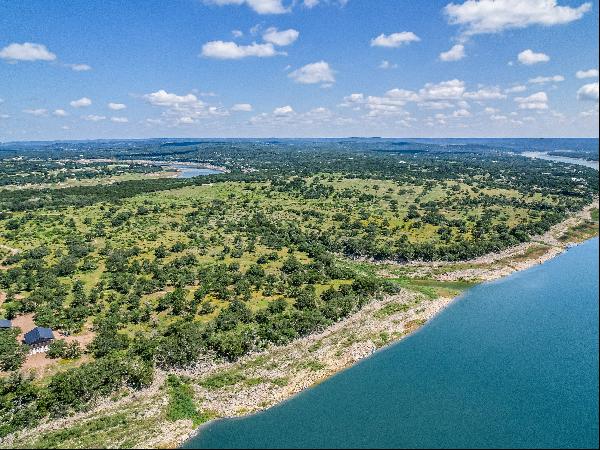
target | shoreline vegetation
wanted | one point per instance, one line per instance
(170, 411)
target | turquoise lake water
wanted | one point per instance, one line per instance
(513, 363)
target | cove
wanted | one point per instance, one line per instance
(512, 363)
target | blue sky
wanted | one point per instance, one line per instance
(303, 68)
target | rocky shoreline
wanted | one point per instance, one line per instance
(263, 379)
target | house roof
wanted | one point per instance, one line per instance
(38, 334)
(4, 323)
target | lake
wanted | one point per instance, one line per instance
(190, 171)
(562, 159)
(512, 363)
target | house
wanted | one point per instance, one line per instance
(38, 339)
(5, 324)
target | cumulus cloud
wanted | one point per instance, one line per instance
(38, 112)
(538, 101)
(242, 107)
(80, 103)
(456, 53)
(461, 113)
(280, 38)
(493, 16)
(394, 40)
(182, 109)
(515, 89)
(591, 73)
(27, 51)
(433, 96)
(60, 113)
(79, 67)
(385, 64)
(318, 72)
(164, 98)
(117, 106)
(119, 119)
(259, 6)
(529, 57)
(390, 104)
(283, 111)
(94, 118)
(446, 90)
(552, 79)
(231, 50)
(493, 93)
(588, 92)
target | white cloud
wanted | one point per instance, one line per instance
(493, 16)
(79, 67)
(395, 39)
(590, 112)
(36, 112)
(27, 52)
(461, 113)
(385, 64)
(259, 6)
(117, 106)
(446, 90)
(242, 107)
(83, 101)
(591, 73)
(237, 33)
(4, 116)
(94, 118)
(588, 92)
(493, 93)
(283, 111)
(119, 119)
(515, 89)
(60, 113)
(318, 72)
(182, 109)
(456, 53)
(231, 50)
(539, 101)
(498, 117)
(280, 38)
(529, 57)
(164, 98)
(490, 110)
(436, 105)
(552, 79)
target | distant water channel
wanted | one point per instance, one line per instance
(563, 159)
(513, 363)
(190, 171)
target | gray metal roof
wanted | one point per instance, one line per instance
(37, 335)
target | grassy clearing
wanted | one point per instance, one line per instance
(433, 289)
(181, 404)
(390, 309)
(223, 379)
